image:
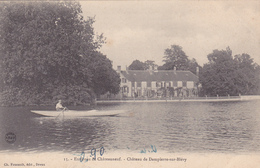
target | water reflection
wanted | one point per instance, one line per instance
(171, 127)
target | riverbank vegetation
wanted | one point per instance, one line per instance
(49, 52)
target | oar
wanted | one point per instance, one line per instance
(65, 108)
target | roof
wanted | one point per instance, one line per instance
(160, 75)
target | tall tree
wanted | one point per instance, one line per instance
(106, 78)
(224, 75)
(45, 53)
(175, 57)
(247, 74)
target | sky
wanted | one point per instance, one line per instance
(142, 30)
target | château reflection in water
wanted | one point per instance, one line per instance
(230, 127)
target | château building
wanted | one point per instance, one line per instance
(157, 83)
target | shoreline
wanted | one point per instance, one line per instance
(165, 100)
(198, 99)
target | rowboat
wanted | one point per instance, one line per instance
(75, 113)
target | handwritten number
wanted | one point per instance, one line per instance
(154, 148)
(93, 152)
(102, 150)
(82, 156)
(143, 151)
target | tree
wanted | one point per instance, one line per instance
(175, 57)
(137, 65)
(247, 74)
(150, 64)
(224, 75)
(46, 49)
(193, 65)
(106, 78)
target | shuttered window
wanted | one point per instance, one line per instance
(184, 83)
(149, 84)
(174, 83)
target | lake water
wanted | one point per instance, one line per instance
(225, 127)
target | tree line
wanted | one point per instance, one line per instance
(174, 57)
(48, 51)
(223, 74)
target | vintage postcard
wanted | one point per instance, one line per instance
(130, 84)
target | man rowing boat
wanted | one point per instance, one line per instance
(59, 106)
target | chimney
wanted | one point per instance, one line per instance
(150, 68)
(126, 68)
(174, 70)
(155, 68)
(118, 68)
(197, 71)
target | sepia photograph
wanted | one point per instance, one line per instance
(130, 84)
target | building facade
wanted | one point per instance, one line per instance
(157, 83)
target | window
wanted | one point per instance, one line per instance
(153, 84)
(149, 84)
(174, 83)
(179, 84)
(144, 84)
(123, 80)
(184, 83)
(190, 84)
(133, 84)
(158, 84)
(162, 84)
(125, 89)
(167, 84)
(138, 84)
(139, 92)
